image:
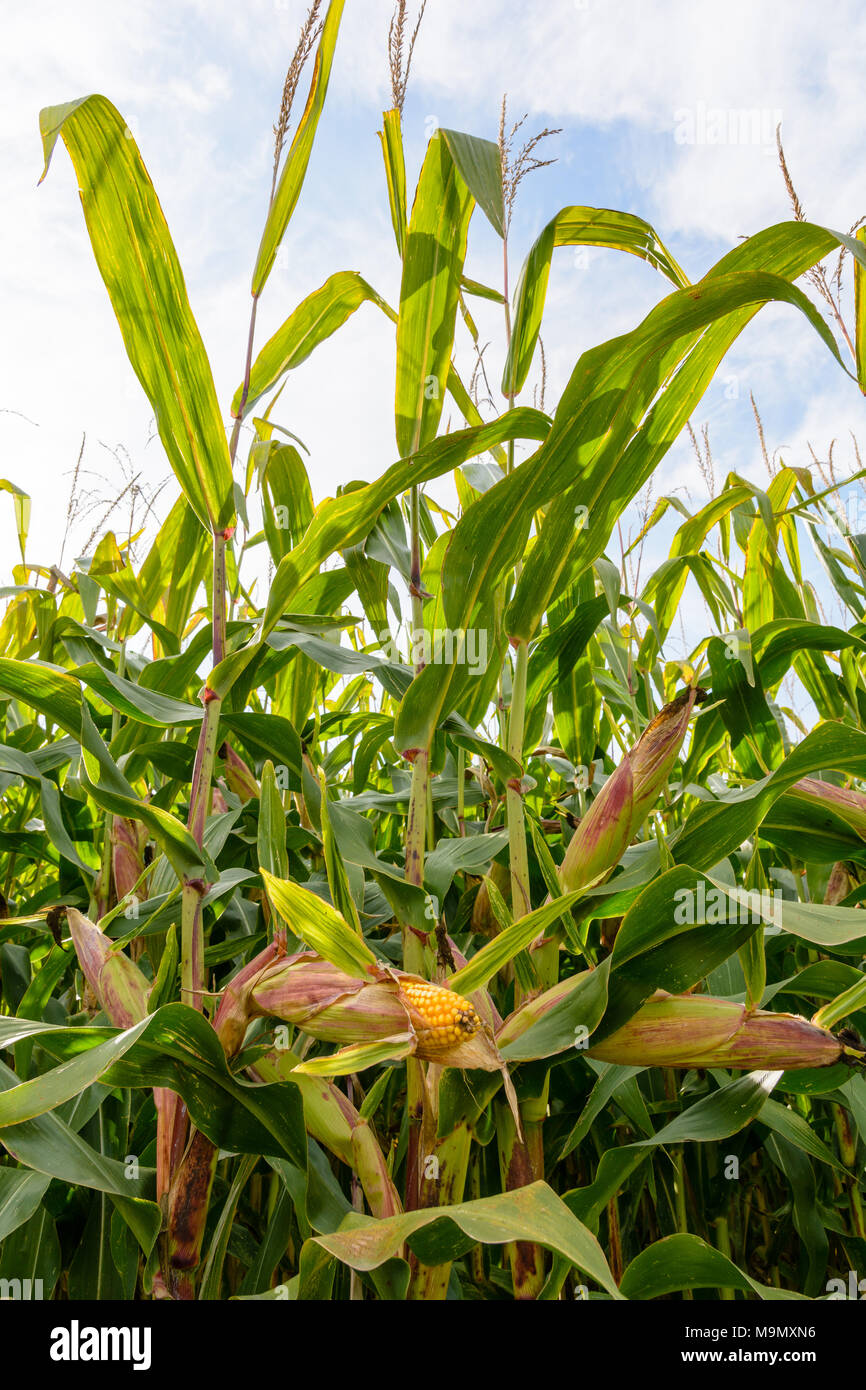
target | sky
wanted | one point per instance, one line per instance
(667, 109)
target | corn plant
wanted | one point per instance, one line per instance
(422, 886)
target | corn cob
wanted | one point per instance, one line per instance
(328, 1004)
(446, 1018)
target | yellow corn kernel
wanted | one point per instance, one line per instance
(447, 1018)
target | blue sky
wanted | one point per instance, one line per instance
(200, 83)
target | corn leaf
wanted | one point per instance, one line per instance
(138, 262)
(432, 266)
(319, 925)
(532, 1213)
(316, 318)
(573, 226)
(294, 169)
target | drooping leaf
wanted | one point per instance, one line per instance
(138, 262)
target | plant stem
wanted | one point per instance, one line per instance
(520, 900)
(429, 1283)
(723, 1243)
(519, 1165)
(413, 961)
(192, 935)
(219, 598)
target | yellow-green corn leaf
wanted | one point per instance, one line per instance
(574, 226)
(348, 519)
(139, 265)
(665, 587)
(175, 566)
(21, 503)
(612, 436)
(480, 164)
(348, 1060)
(52, 693)
(294, 170)
(391, 136)
(533, 1213)
(314, 320)
(319, 925)
(843, 1006)
(432, 265)
(860, 313)
(762, 555)
(287, 497)
(504, 947)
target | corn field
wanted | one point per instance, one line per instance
(383, 915)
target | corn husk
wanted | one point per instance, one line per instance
(626, 799)
(128, 840)
(700, 1031)
(849, 805)
(239, 778)
(326, 1003)
(118, 984)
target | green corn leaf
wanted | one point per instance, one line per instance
(504, 947)
(573, 226)
(686, 1262)
(271, 832)
(174, 1048)
(391, 136)
(138, 262)
(316, 318)
(610, 430)
(137, 701)
(755, 735)
(294, 169)
(338, 881)
(30, 1259)
(348, 519)
(714, 829)
(102, 779)
(45, 689)
(164, 986)
(21, 1191)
